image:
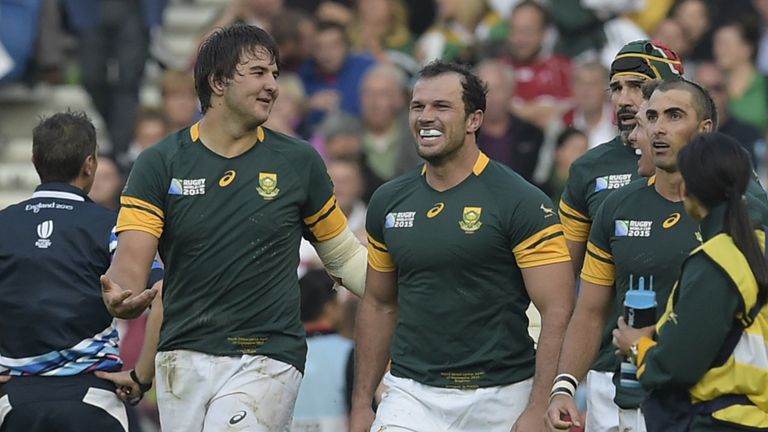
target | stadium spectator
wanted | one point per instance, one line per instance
(107, 184)
(332, 77)
(179, 99)
(505, 137)
(570, 145)
(592, 112)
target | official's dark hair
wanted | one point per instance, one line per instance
(60, 145)
(702, 100)
(316, 291)
(717, 169)
(220, 54)
(473, 90)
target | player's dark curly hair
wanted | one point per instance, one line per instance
(473, 89)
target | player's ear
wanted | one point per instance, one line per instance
(474, 121)
(217, 85)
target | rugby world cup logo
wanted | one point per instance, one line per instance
(470, 219)
(44, 231)
(268, 185)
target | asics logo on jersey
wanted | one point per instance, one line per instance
(227, 178)
(470, 219)
(237, 418)
(44, 231)
(670, 221)
(434, 211)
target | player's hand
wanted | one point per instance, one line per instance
(361, 419)
(530, 420)
(127, 389)
(625, 336)
(122, 303)
(562, 414)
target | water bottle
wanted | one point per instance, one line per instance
(639, 311)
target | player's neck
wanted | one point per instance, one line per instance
(225, 135)
(668, 185)
(449, 173)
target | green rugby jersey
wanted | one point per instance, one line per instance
(458, 255)
(592, 178)
(639, 233)
(229, 232)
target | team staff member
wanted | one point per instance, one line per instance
(55, 330)
(721, 294)
(227, 202)
(641, 231)
(594, 176)
(457, 250)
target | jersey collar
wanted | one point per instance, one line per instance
(480, 164)
(194, 132)
(61, 191)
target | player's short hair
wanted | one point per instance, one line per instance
(220, 54)
(473, 89)
(702, 100)
(60, 145)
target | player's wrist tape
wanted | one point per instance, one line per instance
(564, 384)
(142, 387)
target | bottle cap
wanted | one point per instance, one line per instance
(640, 299)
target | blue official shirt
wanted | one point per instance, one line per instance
(53, 248)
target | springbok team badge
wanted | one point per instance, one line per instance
(268, 185)
(470, 220)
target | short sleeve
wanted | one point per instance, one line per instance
(321, 214)
(599, 267)
(573, 209)
(142, 202)
(378, 253)
(536, 233)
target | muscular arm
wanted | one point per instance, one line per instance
(123, 286)
(376, 320)
(551, 289)
(576, 249)
(584, 333)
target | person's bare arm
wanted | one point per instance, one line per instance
(127, 389)
(551, 289)
(576, 249)
(123, 286)
(376, 319)
(581, 344)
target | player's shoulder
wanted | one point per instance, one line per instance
(504, 182)
(289, 147)
(629, 193)
(395, 186)
(598, 155)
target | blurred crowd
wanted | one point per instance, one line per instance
(347, 67)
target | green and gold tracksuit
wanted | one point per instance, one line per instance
(229, 232)
(638, 233)
(592, 178)
(459, 256)
(716, 290)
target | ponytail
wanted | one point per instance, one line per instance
(739, 227)
(716, 170)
